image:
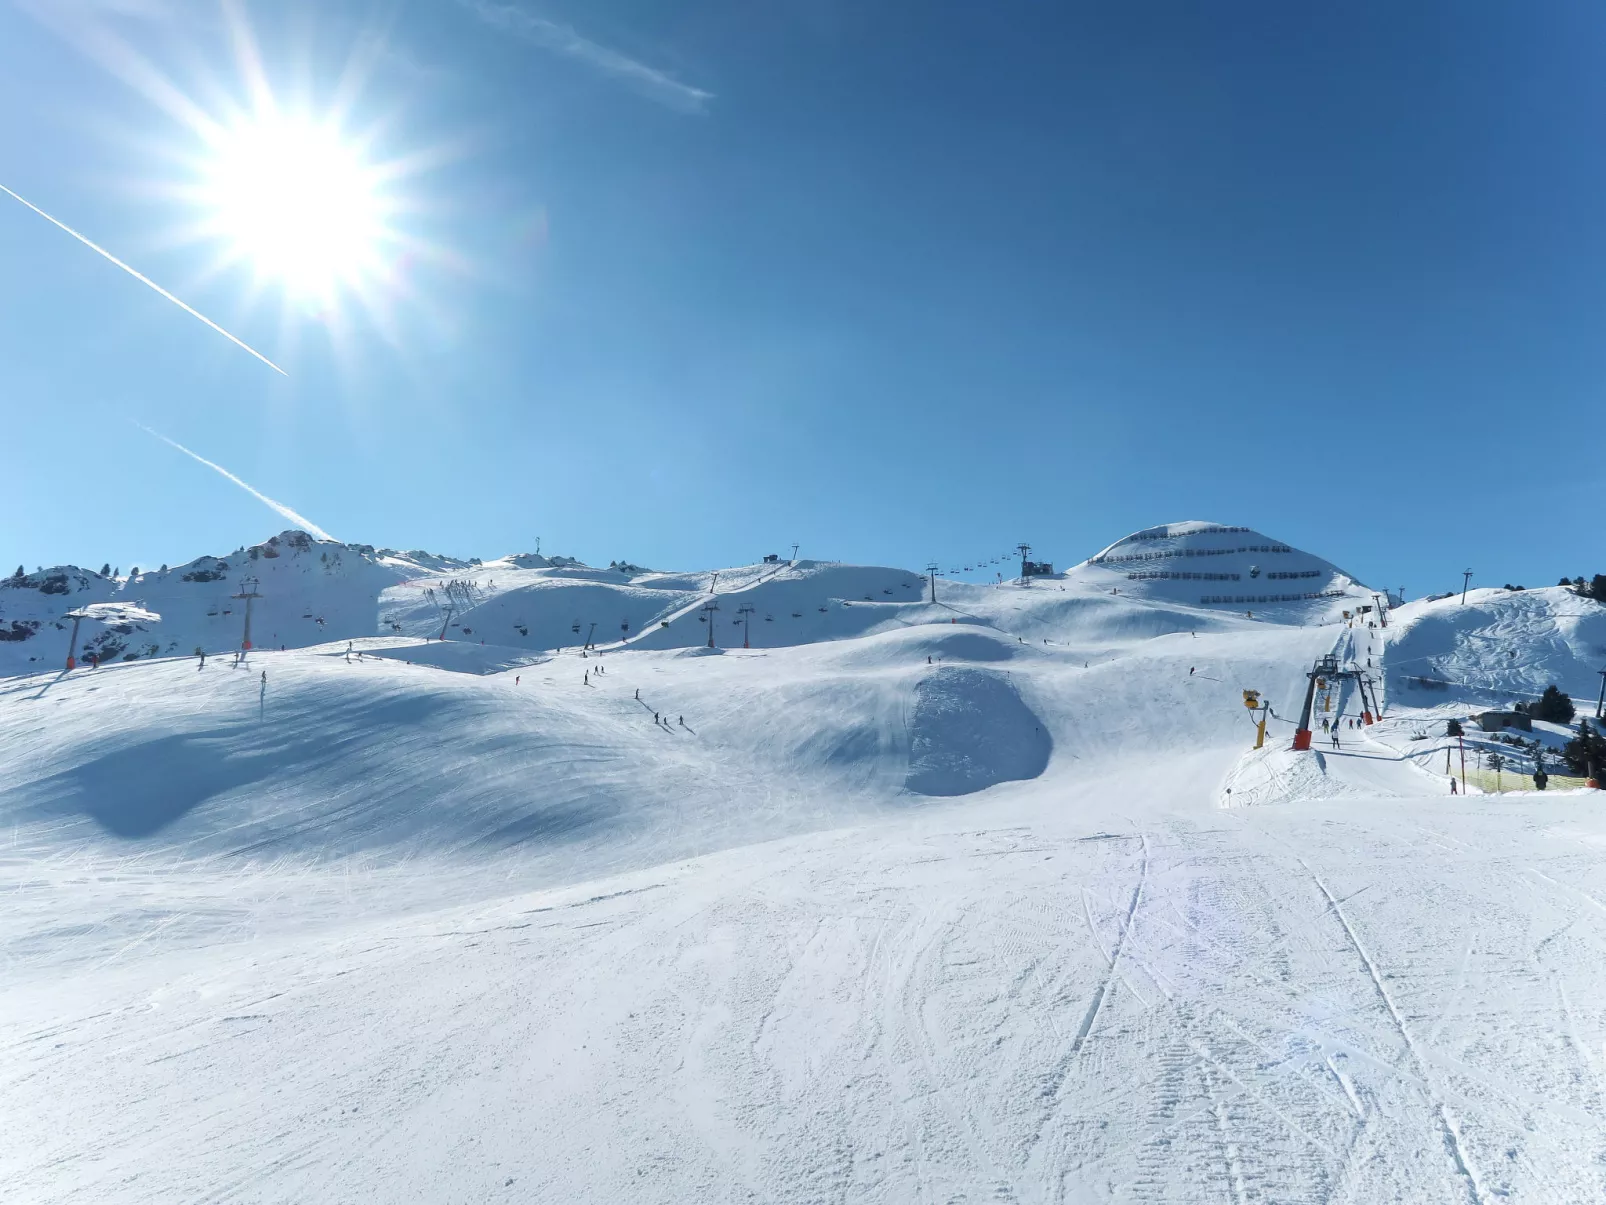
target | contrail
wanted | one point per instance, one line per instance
(300, 521)
(143, 279)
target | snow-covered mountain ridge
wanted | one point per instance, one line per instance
(316, 591)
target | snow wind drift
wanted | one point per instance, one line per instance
(970, 730)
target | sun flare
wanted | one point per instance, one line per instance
(297, 202)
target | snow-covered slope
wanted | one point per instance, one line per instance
(911, 900)
(1212, 565)
(1498, 648)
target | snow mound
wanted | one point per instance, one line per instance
(969, 730)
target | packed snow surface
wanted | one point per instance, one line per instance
(980, 899)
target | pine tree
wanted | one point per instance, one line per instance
(1588, 746)
(1597, 587)
(106, 569)
(1553, 706)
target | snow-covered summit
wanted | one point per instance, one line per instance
(1206, 564)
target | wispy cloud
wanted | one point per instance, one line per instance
(299, 520)
(561, 39)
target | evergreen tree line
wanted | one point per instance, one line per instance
(1594, 588)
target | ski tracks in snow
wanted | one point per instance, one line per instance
(1451, 1127)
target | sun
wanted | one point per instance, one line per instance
(297, 201)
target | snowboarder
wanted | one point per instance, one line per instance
(1190, 670)
(515, 679)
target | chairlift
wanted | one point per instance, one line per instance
(822, 610)
(575, 626)
(797, 614)
(769, 619)
(228, 610)
(212, 611)
(306, 615)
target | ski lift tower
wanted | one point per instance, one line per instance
(931, 572)
(77, 618)
(248, 591)
(1025, 551)
(746, 613)
(709, 608)
(1324, 671)
(104, 613)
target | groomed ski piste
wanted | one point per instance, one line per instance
(986, 898)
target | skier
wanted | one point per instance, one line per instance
(638, 694)
(1335, 739)
(515, 679)
(1190, 671)
(683, 724)
(587, 680)
(201, 653)
(655, 717)
(1453, 791)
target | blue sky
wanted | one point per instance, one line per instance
(686, 283)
